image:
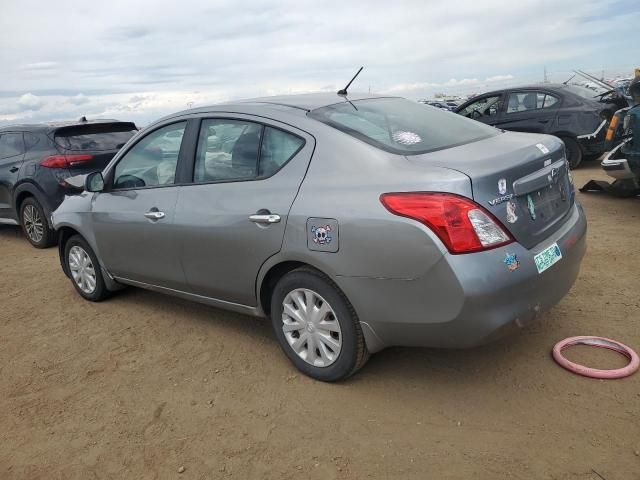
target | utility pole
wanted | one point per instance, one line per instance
(546, 78)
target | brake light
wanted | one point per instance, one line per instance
(461, 224)
(64, 161)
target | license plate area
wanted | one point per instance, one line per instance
(548, 257)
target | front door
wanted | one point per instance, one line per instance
(486, 109)
(11, 156)
(232, 217)
(134, 217)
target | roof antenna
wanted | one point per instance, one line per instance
(344, 90)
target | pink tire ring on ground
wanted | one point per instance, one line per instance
(600, 342)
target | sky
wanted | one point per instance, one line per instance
(139, 60)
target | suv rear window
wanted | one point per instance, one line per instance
(400, 126)
(95, 137)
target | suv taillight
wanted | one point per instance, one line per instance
(461, 224)
(64, 161)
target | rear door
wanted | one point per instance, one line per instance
(233, 215)
(91, 146)
(12, 151)
(486, 109)
(134, 217)
(529, 111)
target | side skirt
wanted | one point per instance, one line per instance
(235, 307)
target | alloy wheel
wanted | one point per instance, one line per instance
(82, 269)
(311, 327)
(33, 223)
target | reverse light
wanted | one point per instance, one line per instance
(460, 223)
(64, 161)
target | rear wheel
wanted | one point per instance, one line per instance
(34, 224)
(84, 269)
(317, 327)
(574, 152)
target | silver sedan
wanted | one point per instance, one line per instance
(354, 222)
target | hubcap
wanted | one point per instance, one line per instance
(82, 269)
(33, 223)
(311, 327)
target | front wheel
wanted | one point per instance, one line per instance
(316, 326)
(84, 269)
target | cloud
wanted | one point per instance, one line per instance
(79, 99)
(29, 101)
(117, 51)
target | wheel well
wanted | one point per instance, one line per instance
(64, 234)
(22, 196)
(271, 279)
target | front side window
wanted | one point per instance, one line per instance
(11, 145)
(485, 107)
(400, 126)
(152, 161)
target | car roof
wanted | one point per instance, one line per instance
(304, 102)
(554, 87)
(47, 127)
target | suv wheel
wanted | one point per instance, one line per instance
(34, 224)
(84, 269)
(316, 326)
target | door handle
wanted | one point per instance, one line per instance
(14, 169)
(267, 218)
(154, 215)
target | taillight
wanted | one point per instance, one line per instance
(64, 161)
(612, 128)
(461, 224)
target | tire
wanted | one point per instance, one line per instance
(574, 152)
(34, 224)
(340, 317)
(81, 262)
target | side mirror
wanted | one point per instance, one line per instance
(94, 182)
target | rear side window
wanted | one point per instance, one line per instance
(11, 145)
(227, 150)
(230, 150)
(278, 147)
(400, 126)
(523, 101)
(95, 137)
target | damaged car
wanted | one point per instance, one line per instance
(577, 115)
(355, 222)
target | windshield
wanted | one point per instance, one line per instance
(400, 126)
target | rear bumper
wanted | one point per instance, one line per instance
(467, 300)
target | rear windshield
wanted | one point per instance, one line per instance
(400, 126)
(583, 92)
(95, 137)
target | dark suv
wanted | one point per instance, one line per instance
(35, 160)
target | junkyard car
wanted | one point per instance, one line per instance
(355, 223)
(572, 113)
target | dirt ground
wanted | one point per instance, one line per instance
(144, 384)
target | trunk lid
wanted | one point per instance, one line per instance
(522, 179)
